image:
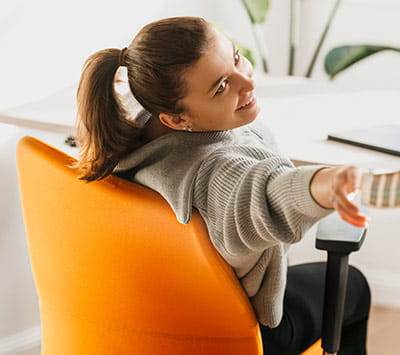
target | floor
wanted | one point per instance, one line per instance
(384, 331)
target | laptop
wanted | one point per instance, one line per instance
(383, 138)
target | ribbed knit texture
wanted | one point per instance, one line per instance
(252, 199)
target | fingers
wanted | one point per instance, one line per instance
(348, 180)
(351, 214)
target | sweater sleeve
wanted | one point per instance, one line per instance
(251, 203)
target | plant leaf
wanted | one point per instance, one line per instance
(257, 10)
(340, 58)
(245, 51)
(322, 39)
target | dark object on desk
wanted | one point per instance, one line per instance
(71, 141)
(385, 138)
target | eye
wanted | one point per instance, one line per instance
(222, 87)
(237, 57)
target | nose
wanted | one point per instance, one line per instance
(246, 83)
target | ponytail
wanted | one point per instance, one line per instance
(155, 63)
(103, 132)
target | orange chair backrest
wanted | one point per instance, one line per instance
(117, 274)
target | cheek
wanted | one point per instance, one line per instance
(231, 101)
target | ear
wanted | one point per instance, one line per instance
(175, 122)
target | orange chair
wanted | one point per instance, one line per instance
(117, 274)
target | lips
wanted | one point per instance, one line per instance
(246, 104)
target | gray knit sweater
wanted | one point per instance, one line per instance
(252, 199)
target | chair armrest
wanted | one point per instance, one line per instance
(336, 235)
(339, 239)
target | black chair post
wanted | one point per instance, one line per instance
(339, 239)
(335, 296)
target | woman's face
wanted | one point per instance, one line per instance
(220, 89)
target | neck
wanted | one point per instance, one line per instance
(154, 129)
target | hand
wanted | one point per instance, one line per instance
(347, 180)
(331, 188)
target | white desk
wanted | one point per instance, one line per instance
(55, 113)
(302, 122)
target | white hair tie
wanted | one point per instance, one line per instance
(133, 110)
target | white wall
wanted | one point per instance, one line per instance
(19, 315)
(18, 304)
(356, 22)
(44, 43)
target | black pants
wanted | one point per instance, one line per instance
(302, 313)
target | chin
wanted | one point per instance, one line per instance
(253, 116)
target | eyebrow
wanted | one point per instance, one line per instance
(223, 76)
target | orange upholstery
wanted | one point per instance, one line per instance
(315, 349)
(117, 274)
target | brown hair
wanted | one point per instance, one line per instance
(155, 60)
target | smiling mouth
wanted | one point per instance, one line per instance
(247, 104)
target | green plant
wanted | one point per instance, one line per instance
(257, 11)
(340, 58)
(322, 39)
(245, 51)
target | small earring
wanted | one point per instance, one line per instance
(189, 129)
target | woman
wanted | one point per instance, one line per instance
(192, 143)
